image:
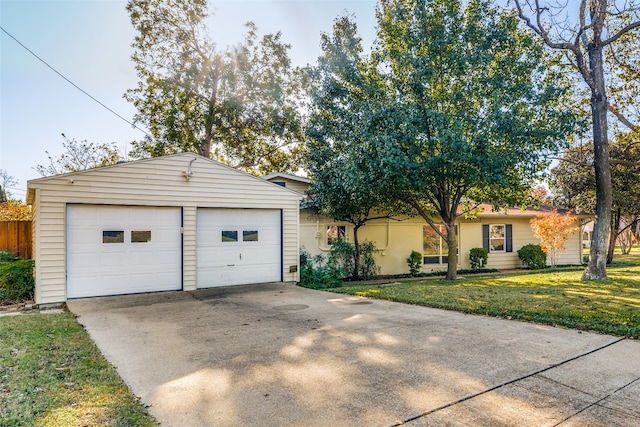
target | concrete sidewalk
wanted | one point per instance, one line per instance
(276, 355)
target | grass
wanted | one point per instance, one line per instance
(51, 374)
(553, 297)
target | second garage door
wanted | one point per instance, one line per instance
(238, 246)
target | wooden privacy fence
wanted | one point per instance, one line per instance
(15, 237)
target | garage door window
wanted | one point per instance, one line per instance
(229, 236)
(109, 236)
(250, 236)
(140, 236)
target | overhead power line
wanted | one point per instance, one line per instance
(73, 84)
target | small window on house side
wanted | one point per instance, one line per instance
(335, 233)
(140, 236)
(280, 183)
(250, 236)
(109, 236)
(497, 238)
(229, 236)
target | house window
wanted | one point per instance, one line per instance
(497, 235)
(435, 249)
(280, 183)
(109, 236)
(335, 233)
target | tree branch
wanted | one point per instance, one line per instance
(613, 110)
(574, 47)
(621, 33)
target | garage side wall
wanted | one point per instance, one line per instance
(158, 182)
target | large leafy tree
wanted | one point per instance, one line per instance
(474, 110)
(452, 108)
(238, 105)
(598, 26)
(344, 187)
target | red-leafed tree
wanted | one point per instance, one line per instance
(553, 228)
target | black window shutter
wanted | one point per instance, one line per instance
(485, 236)
(508, 235)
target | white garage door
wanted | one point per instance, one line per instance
(238, 246)
(114, 250)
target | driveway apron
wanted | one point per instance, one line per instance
(280, 355)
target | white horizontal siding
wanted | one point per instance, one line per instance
(211, 185)
(291, 242)
(153, 182)
(189, 248)
(300, 187)
(50, 254)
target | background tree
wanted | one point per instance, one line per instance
(541, 195)
(6, 181)
(239, 106)
(600, 24)
(11, 209)
(473, 109)
(573, 183)
(15, 210)
(80, 156)
(553, 229)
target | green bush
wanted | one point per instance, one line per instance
(342, 255)
(319, 272)
(6, 256)
(415, 263)
(533, 256)
(16, 280)
(368, 266)
(478, 257)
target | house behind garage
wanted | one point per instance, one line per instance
(501, 232)
(179, 222)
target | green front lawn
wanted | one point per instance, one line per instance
(553, 297)
(51, 374)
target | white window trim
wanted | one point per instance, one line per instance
(441, 245)
(504, 238)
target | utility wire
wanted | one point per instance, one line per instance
(73, 84)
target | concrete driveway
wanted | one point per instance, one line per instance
(280, 355)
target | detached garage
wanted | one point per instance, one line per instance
(179, 222)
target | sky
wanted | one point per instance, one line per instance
(89, 42)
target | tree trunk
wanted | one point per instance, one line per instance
(205, 148)
(452, 258)
(356, 253)
(613, 236)
(597, 267)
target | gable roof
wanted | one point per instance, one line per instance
(288, 176)
(528, 212)
(162, 161)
